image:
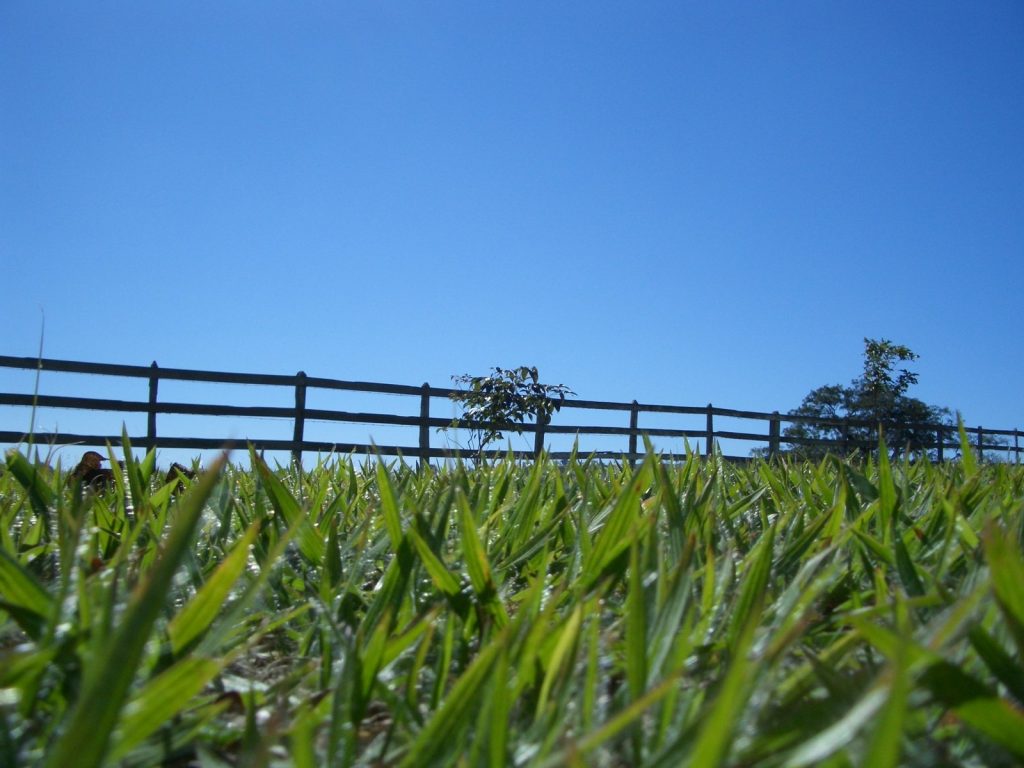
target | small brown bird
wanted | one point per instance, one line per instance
(89, 472)
(180, 473)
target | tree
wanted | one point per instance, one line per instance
(505, 399)
(876, 399)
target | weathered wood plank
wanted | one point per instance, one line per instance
(945, 435)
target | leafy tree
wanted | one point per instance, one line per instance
(877, 398)
(505, 399)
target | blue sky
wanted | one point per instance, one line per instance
(674, 202)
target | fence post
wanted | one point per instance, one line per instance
(709, 449)
(981, 452)
(774, 429)
(634, 418)
(1016, 446)
(538, 436)
(424, 424)
(300, 416)
(154, 382)
(940, 439)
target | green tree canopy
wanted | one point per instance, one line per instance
(852, 415)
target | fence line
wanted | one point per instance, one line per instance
(299, 414)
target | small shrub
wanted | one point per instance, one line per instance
(505, 399)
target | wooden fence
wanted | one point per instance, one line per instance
(770, 434)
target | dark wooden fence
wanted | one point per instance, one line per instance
(770, 435)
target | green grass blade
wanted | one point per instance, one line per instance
(615, 726)
(977, 705)
(887, 494)
(906, 569)
(90, 724)
(439, 573)
(311, 544)
(1007, 572)
(389, 507)
(636, 626)
(478, 567)
(887, 733)
(201, 611)
(371, 657)
(160, 700)
(1001, 664)
(621, 527)
(560, 657)
(32, 478)
(821, 746)
(715, 735)
(390, 596)
(754, 587)
(501, 704)
(669, 618)
(23, 597)
(967, 457)
(437, 736)
(133, 472)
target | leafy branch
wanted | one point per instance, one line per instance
(505, 399)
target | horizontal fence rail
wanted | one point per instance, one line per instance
(945, 436)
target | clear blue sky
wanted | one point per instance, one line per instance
(674, 202)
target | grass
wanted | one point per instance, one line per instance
(584, 614)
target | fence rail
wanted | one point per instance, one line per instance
(299, 415)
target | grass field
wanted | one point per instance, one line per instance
(361, 613)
